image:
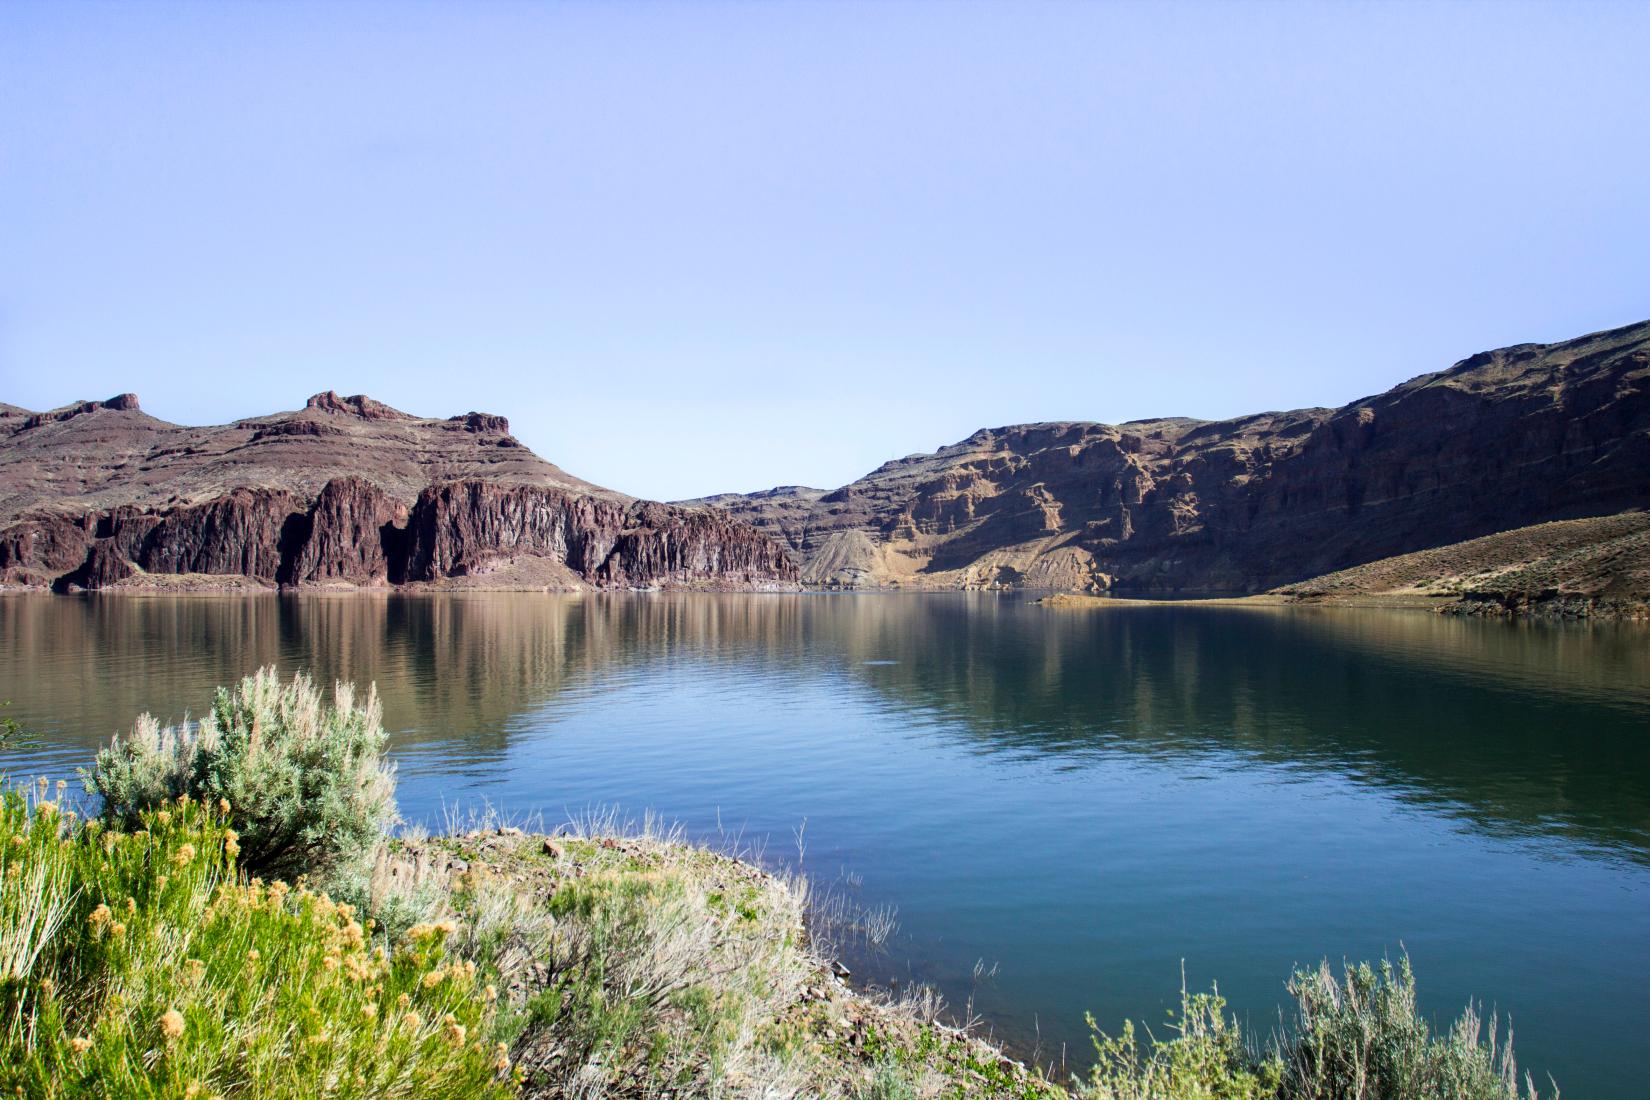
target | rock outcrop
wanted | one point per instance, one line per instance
(99, 494)
(461, 529)
(1501, 440)
(37, 551)
(352, 535)
(94, 456)
(348, 491)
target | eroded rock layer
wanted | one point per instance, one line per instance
(1504, 439)
(468, 527)
(100, 494)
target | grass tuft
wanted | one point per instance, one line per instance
(1359, 1036)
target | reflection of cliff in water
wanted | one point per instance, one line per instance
(451, 669)
(1520, 728)
(1525, 728)
(447, 668)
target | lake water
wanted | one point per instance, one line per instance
(1085, 801)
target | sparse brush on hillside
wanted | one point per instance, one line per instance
(631, 963)
(306, 779)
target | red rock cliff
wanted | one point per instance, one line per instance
(253, 505)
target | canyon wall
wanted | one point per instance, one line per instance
(1501, 440)
(348, 491)
(250, 508)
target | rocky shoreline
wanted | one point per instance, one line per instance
(843, 1033)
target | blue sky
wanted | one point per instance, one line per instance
(688, 248)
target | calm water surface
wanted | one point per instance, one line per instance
(1085, 801)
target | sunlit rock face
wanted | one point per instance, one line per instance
(1501, 440)
(344, 492)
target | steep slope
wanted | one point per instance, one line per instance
(1503, 439)
(346, 491)
(1598, 565)
(99, 454)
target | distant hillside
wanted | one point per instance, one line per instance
(345, 491)
(98, 454)
(1577, 566)
(1501, 440)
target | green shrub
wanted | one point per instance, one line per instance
(138, 964)
(1359, 1037)
(1362, 1036)
(888, 1080)
(305, 782)
(1206, 1060)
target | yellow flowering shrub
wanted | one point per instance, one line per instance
(142, 965)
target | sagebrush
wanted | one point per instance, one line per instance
(306, 778)
(1360, 1036)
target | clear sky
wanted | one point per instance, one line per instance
(690, 248)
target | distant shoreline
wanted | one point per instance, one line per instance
(1546, 605)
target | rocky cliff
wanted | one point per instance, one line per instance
(1501, 440)
(346, 491)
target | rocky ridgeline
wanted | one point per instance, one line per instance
(356, 529)
(1501, 440)
(350, 491)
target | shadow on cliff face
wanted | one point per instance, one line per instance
(355, 534)
(295, 534)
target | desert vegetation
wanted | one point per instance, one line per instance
(307, 779)
(239, 917)
(1358, 1035)
(139, 962)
